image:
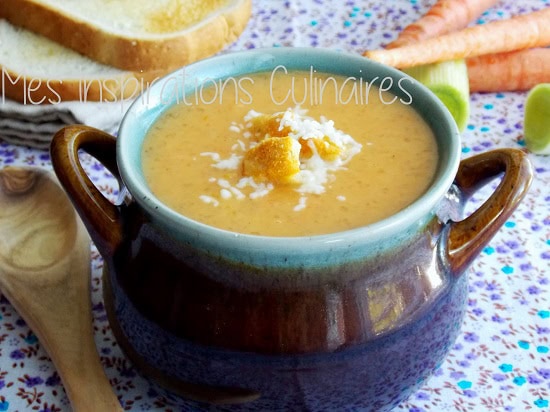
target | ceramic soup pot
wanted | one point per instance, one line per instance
(355, 320)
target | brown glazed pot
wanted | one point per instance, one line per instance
(348, 321)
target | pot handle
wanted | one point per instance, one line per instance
(468, 237)
(102, 218)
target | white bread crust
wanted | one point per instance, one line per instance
(131, 50)
(35, 70)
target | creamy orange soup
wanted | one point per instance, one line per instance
(289, 154)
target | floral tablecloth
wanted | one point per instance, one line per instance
(501, 360)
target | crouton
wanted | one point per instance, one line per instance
(268, 125)
(325, 148)
(274, 159)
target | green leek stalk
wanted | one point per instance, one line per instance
(536, 123)
(448, 80)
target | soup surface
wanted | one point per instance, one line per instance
(289, 154)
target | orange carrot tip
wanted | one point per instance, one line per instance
(443, 17)
(449, 82)
(520, 32)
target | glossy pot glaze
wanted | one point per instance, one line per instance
(348, 321)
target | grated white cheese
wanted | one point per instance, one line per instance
(315, 172)
(209, 200)
(215, 156)
(251, 115)
(225, 194)
(261, 191)
(301, 204)
(224, 183)
(234, 128)
(307, 127)
(233, 163)
(239, 145)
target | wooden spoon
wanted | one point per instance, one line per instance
(45, 274)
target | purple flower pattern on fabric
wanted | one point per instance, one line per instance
(499, 362)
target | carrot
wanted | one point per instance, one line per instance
(444, 17)
(512, 71)
(520, 32)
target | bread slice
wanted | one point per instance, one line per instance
(136, 35)
(35, 70)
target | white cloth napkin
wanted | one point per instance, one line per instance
(35, 125)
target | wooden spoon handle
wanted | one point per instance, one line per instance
(49, 283)
(59, 315)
